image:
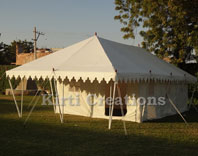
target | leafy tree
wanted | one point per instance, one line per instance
(6, 57)
(25, 45)
(170, 27)
(8, 52)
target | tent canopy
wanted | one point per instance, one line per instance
(101, 59)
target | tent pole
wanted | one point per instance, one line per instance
(136, 110)
(33, 99)
(176, 109)
(91, 107)
(122, 111)
(36, 101)
(52, 91)
(22, 97)
(191, 99)
(110, 97)
(143, 111)
(57, 100)
(19, 114)
(112, 107)
(34, 96)
(31, 111)
(63, 103)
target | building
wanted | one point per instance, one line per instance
(22, 58)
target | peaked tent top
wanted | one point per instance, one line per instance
(101, 59)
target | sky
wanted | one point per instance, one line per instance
(64, 22)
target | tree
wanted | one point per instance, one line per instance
(6, 57)
(8, 52)
(25, 45)
(170, 27)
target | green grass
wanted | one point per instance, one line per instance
(44, 135)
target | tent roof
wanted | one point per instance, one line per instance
(98, 58)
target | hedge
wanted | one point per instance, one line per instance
(3, 80)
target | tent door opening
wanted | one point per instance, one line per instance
(117, 106)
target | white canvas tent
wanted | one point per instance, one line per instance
(106, 68)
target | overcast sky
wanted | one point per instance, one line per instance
(64, 22)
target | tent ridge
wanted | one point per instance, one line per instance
(78, 50)
(106, 54)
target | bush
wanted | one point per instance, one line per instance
(192, 68)
(4, 84)
(193, 88)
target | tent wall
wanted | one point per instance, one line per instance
(177, 92)
(133, 109)
(72, 89)
(135, 112)
(84, 89)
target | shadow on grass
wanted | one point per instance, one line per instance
(190, 116)
(56, 139)
(7, 106)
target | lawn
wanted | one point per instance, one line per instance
(45, 135)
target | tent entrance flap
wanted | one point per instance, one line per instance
(118, 101)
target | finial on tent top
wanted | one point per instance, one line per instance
(150, 71)
(95, 33)
(53, 69)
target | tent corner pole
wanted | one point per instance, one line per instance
(52, 92)
(112, 106)
(63, 103)
(57, 99)
(171, 102)
(191, 101)
(110, 97)
(22, 91)
(122, 111)
(18, 111)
